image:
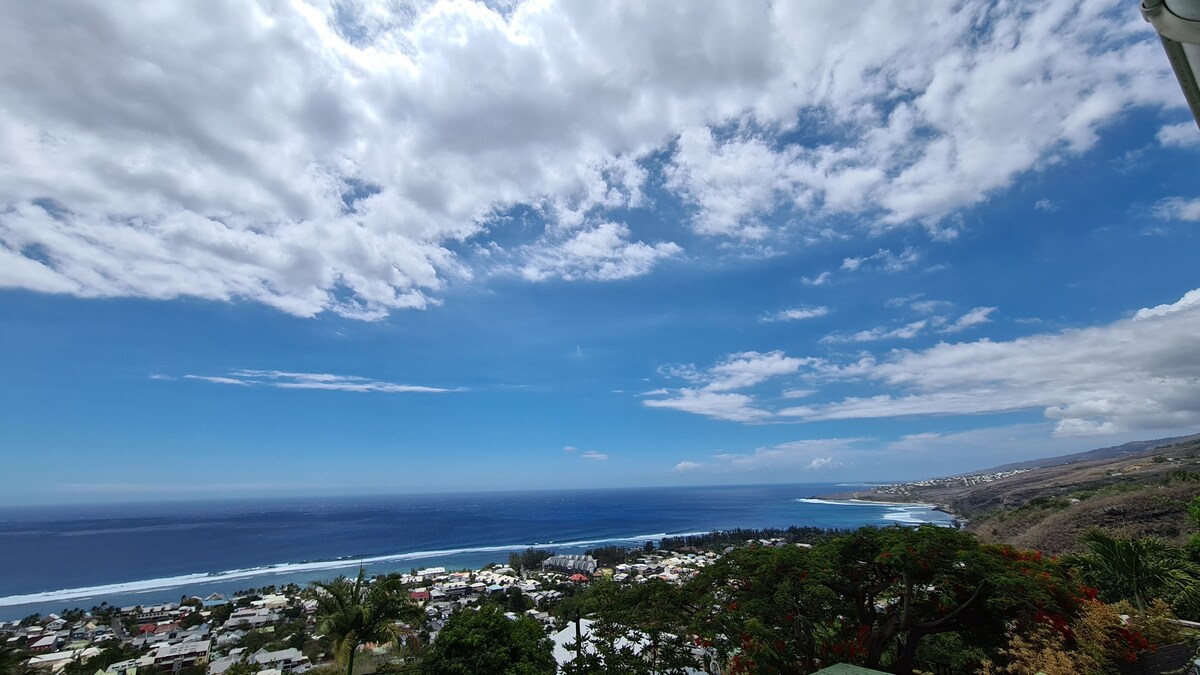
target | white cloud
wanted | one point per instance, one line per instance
(570, 449)
(601, 253)
(218, 380)
(883, 259)
(747, 369)
(975, 317)
(919, 303)
(729, 407)
(1046, 205)
(593, 455)
(334, 156)
(1176, 208)
(821, 279)
(810, 454)
(1182, 135)
(1132, 374)
(906, 332)
(288, 380)
(797, 314)
(1137, 373)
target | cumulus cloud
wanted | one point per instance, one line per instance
(600, 253)
(1142, 372)
(729, 407)
(1137, 373)
(334, 157)
(711, 396)
(797, 314)
(289, 380)
(1176, 208)
(1180, 135)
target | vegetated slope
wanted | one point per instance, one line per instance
(1113, 452)
(1047, 508)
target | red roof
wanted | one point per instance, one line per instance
(579, 577)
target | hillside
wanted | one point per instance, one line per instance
(1113, 452)
(1135, 490)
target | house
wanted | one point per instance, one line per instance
(419, 594)
(56, 661)
(251, 618)
(284, 660)
(156, 613)
(270, 602)
(570, 564)
(219, 666)
(129, 667)
(214, 600)
(44, 644)
(230, 637)
(185, 654)
(431, 572)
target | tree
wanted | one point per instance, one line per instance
(764, 611)
(12, 661)
(486, 641)
(871, 597)
(901, 584)
(636, 630)
(353, 613)
(1139, 570)
(529, 559)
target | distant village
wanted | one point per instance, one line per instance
(907, 490)
(272, 631)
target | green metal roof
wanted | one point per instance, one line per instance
(847, 669)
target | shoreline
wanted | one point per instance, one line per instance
(141, 580)
(233, 582)
(874, 497)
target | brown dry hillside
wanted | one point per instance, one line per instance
(1047, 508)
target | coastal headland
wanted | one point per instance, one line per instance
(1141, 489)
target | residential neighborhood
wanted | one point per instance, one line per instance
(272, 631)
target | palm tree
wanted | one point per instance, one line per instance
(1138, 570)
(353, 613)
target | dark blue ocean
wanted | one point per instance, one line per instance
(52, 558)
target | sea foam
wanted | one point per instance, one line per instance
(165, 583)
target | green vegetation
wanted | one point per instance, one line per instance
(1139, 570)
(609, 556)
(485, 641)
(353, 613)
(715, 541)
(12, 661)
(529, 559)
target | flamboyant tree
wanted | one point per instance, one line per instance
(870, 597)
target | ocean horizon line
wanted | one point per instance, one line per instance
(284, 498)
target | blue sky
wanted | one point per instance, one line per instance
(260, 249)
